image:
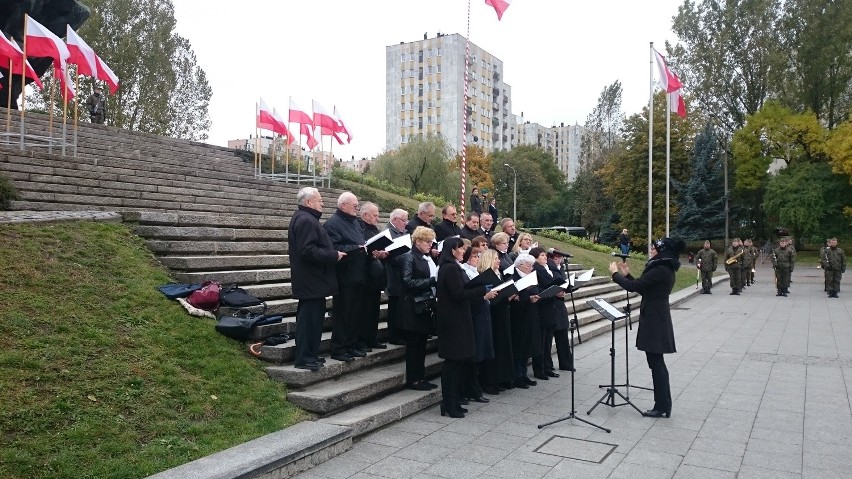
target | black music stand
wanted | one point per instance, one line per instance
(573, 413)
(627, 323)
(611, 313)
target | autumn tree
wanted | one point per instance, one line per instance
(602, 134)
(421, 165)
(839, 148)
(539, 180)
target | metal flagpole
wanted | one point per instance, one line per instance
(76, 118)
(24, 81)
(64, 109)
(9, 104)
(650, 141)
(668, 153)
(50, 108)
(464, 114)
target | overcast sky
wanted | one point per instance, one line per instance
(557, 55)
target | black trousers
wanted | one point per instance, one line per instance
(660, 375)
(309, 318)
(367, 323)
(451, 373)
(546, 349)
(563, 350)
(415, 356)
(345, 309)
(470, 387)
(394, 333)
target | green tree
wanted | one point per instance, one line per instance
(592, 206)
(162, 90)
(422, 166)
(602, 134)
(702, 209)
(537, 175)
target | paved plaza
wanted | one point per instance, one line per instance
(761, 388)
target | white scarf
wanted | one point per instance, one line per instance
(433, 269)
(470, 270)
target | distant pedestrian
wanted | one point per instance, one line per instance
(624, 242)
(475, 201)
(96, 104)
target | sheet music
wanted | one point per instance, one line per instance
(571, 279)
(608, 308)
(502, 286)
(527, 281)
(402, 241)
(509, 271)
(441, 243)
(587, 275)
(377, 237)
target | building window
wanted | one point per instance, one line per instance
(420, 124)
(439, 86)
(402, 58)
(439, 67)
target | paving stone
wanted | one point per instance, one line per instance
(453, 468)
(508, 468)
(397, 467)
(712, 460)
(687, 471)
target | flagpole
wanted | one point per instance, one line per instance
(50, 112)
(9, 104)
(331, 154)
(668, 155)
(64, 112)
(76, 118)
(24, 81)
(464, 114)
(650, 141)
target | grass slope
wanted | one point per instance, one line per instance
(101, 376)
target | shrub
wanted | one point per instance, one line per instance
(7, 193)
(586, 244)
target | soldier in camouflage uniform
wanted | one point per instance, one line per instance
(733, 264)
(706, 262)
(783, 260)
(833, 262)
(746, 263)
(753, 252)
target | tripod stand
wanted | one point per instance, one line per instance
(628, 323)
(573, 413)
(608, 398)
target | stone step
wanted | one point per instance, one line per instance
(190, 265)
(216, 247)
(154, 218)
(371, 416)
(301, 378)
(209, 233)
(358, 387)
(241, 277)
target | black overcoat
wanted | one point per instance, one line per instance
(445, 229)
(455, 324)
(561, 320)
(547, 306)
(526, 330)
(312, 256)
(656, 333)
(346, 236)
(415, 282)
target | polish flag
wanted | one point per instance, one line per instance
(82, 54)
(328, 131)
(668, 80)
(264, 119)
(66, 83)
(9, 50)
(323, 118)
(297, 115)
(341, 127)
(676, 103)
(282, 127)
(312, 142)
(106, 74)
(41, 42)
(499, 6)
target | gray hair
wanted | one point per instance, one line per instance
(504, 221)
(524, 258)
(425, 206)
(369, 206)
(344, 197)
(306, 194)
(398, 213)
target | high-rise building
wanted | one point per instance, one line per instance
(425, 94)
(563, 142)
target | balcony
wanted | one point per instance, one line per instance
(495, 106)
(495, 121)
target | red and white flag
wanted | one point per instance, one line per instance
(66, 83)
(341, 127)
(306, 130)
(263, 121)
(297, 115)
(668, 80)
(281, 127)
(323, 118)
(328, 131)
(499, 6)
(676, 103)
(82, 54)
(41, 42)
(9, 50)
(106, 74)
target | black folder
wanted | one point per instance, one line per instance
(485, 278)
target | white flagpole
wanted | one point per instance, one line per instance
(668, 154)
(650, 141)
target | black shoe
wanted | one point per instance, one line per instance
(451, 413)
(709, 292)
(357, 353)
(552, 374)
(655, 413)
(462, 409)
(529, 381)
(733, 292)
(321, 360)
(309, 366)
(347, 358)
(779, 293)
(482, 399)
(520, 383)
(429, 385)
(541, 376)
(464, 401)
(784, 294)
(379, 346)
(418, 386)
(561, 368)
(492, 390)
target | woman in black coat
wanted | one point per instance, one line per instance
(543, 364)
(524, 315)
(498, 373)
(562, 321)
(419, 274)
(656, 333)
(456, 341)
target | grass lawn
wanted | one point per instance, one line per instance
(101, 376)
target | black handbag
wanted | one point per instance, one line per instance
(236, 297)
(238, 327)
(424, 303)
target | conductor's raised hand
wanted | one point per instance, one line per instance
(624, 268)
(613, 267)
(340, 255)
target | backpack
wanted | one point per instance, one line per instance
(236, 297)
(206, 298)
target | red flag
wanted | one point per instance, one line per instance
(328, 131)
(668, 80)
(41, 42)
(323, 118)
(297, 115)
(342, 127)
(312, 142)
(9, 50)
(66, 84)
(282, 127)
(676, 103)
(499, 6)
(82, 54)
(107, 75)
(263, 117)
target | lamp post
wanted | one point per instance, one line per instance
(514, 193)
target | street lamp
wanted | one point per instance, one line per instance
(514, 193)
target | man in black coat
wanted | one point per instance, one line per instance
(507, 225)
(486, 226)
(312, 266)
(367, 328)
(346, 236)
(447, 227)
(425, 215)
(492, 208)
(393, 270)
(470, 230)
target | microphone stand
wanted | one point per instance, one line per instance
(628, 324)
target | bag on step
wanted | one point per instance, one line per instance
(207, 297)
(175, 291)
(236, 297)
(237, 327)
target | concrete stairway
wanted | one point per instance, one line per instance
(205, 216)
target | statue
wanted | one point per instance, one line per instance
(54, 15)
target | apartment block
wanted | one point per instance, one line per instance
(563, 142)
